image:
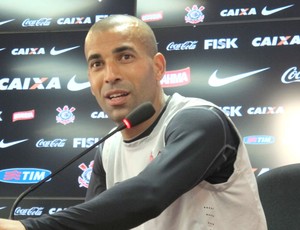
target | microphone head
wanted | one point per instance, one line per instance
(140, 114)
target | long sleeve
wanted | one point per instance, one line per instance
(200, 144)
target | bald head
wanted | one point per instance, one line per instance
(139, 30)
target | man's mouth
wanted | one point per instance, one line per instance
(117, 95)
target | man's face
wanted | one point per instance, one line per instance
(121, 72)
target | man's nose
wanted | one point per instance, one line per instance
(112, 73)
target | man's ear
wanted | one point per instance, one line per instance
(160, 65)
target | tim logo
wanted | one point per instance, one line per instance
(65, 115)
(23, 175)
(194, 15)
(85, 177)
(259, 140)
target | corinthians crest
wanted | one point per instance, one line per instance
(85, 177)
(194, 15)
(65, 115)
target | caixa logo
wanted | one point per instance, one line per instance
(259, 140)
(23, 175)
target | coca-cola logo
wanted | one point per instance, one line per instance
(39, 22)
(187, 45)
(56, 143)
(291, 75)
(34, 211)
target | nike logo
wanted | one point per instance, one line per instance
(1, 208)
(4, 22)
(74, 86)
(267, 12)
(57, 52)
(214, 81)
(9, 144)
(2, 49)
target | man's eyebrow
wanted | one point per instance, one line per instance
(93, 56)
(115, 51)
(123, 48)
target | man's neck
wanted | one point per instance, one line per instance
(132, 133)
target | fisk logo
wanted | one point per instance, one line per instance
(23, 175)
(222, 43)
(259, 140)
(84, 142)
(232, 111)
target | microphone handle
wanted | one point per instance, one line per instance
(38, 184)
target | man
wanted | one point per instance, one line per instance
(185, 168)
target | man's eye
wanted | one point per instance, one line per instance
(126, 57)
(95, 64)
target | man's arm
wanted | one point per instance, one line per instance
(98, 179)
(197, 144)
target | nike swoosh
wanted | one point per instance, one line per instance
(4, 22)
(57, 52)
(2, 49)
(216, 82)
(6, 145)
(74, 86)
(267, 12)
(2, 207)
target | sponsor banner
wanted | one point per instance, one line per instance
(198, 12)
(23, 175)
(23, 115)
(37, 206)
(248, 69)
(52, 16)
(259, 140)
(175, 78)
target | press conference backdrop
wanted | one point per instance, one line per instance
(241, 55)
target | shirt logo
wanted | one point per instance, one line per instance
(55, 52)
(214, 81)
(9, 144)
(267, 12)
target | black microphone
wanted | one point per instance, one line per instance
(140, 114)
